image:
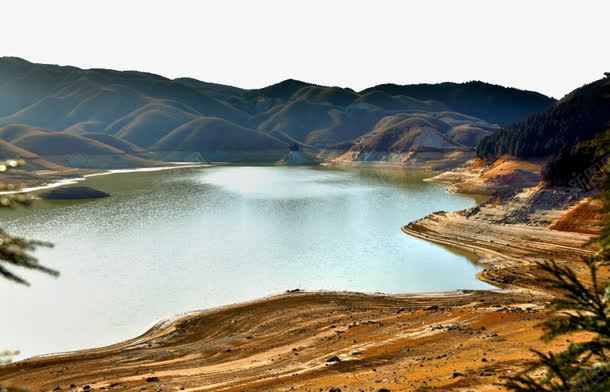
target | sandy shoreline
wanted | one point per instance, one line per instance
(320, 340)
(81, 177)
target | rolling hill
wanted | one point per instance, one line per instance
(133, 112)
(468, 135)
(12, 132)
(33, 161)
(59, 97)
(150, 123)
(333, 95)
(54, 150)
(62, 144)
(402, 133)
(433, 140)
(213, 137)
(113, 141)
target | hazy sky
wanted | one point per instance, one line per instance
(547, 46)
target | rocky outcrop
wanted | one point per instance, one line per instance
(511, 235)
(505, 175)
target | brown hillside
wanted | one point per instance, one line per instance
(467, 135)
(209, 134)
(62, 143)
(150, 123)
(401, 133)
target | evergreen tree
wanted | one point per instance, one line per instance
(580, 307)
(15, 251)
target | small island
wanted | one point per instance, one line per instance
(73, 193)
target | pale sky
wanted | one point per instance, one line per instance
(547, 46)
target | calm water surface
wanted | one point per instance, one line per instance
(173, 241)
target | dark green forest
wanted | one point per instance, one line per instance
(564, 133)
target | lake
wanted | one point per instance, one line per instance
(172, 241)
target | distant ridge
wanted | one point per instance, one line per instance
(138, 112)
(494, 103)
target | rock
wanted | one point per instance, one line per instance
(484, 360)
(456, 374)
(383, 390)
(73, 193)
(334, 358)
(333, 389)
(152, 379)
(86, 387)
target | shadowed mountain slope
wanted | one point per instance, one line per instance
(333, 95)
(12, 132)
(211, 134)
(577, 117)
(11, 151)
(147, 111)
(468, 135)
(403, 132)
(150, 123)
(490, 102)
(33, 161)
(59, 97)
(574, 135)
(115, 142)
(63, 144)
(214, 90)
(399, 102)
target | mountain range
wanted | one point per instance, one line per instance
(131, 118)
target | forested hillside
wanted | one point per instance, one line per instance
(577, 117)
(493, 103)
(564, 133)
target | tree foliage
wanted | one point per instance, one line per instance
(579, 116)
(562, 133)
(580, 307)
(582, 366)
(16, 251)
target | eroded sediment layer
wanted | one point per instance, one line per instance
(311, 341)
(508, 252)
(512, 235)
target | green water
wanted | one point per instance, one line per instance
(178, 240)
